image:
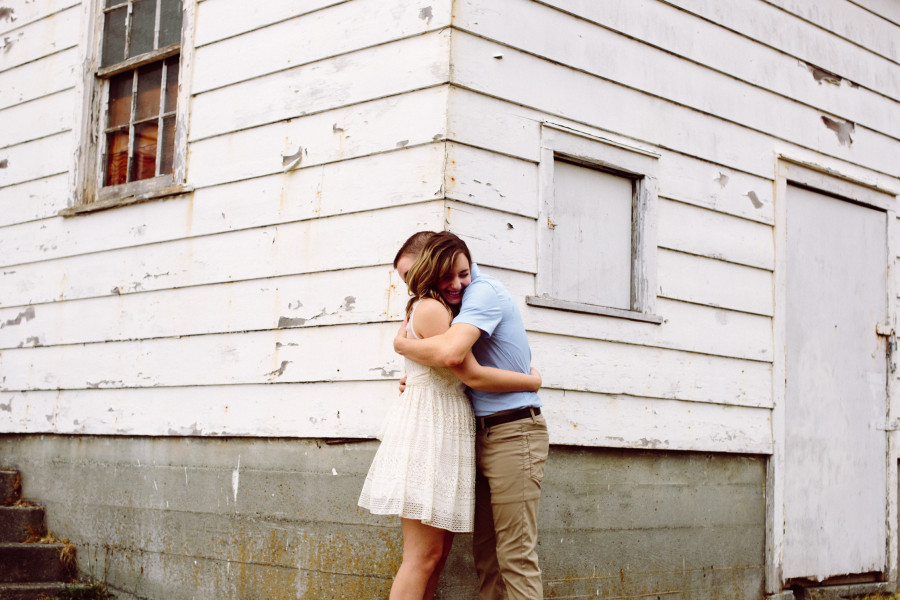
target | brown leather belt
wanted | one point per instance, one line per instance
(507, 417)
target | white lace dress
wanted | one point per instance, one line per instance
(425, 466)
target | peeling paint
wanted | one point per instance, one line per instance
(290, 322)
(31, 342)
(4, 163)
(385, 372)
(402, 143)
(7, 407)
(722, 179)
(7, 13)
(25, 315)
(757, 203)
(91, 385)
(280, 370)
(291, 161)
(295, 305)
(843, 129)
(236, 479)
(349, 303)
(426, 15)
(821, 75)
(8, 42)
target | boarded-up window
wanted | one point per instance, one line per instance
(140, 57)
(596, 232)
(591, 236)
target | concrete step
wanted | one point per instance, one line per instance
(36, 563)
(18, 523)
(10, 487)
(31, 591)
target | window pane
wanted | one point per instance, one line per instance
(143, 24)
(116, 158)
(171, 84)
(145, 151)
(591, 236)
(167, 160)
(114, 37)
(120, 99)
(170, 23)
(149, 81)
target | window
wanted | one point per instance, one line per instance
(134, 118)
(596, 237)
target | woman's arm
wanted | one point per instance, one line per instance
(432, 319)
(489, 379)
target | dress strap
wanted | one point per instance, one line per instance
(410, 327)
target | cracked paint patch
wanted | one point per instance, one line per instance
(30, 342)
(25, 315)
(7, 407)
(7, 13)
(4, 164)
(426, 14)
(842, 129)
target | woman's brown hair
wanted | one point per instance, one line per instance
(434, 264)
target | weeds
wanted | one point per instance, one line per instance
(88, 591)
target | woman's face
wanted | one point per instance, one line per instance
(451, 287)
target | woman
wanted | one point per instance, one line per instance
(424, 470)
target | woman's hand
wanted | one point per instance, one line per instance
(401, 336)
(539, 379)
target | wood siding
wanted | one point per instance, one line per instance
(323, 133)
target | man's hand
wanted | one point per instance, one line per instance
(403, 384)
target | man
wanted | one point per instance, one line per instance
(511, 442)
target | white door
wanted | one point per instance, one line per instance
(835, 388)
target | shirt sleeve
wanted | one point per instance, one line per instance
(481, 307)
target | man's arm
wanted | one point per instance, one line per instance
(447, 349)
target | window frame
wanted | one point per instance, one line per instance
(87, 177)
(641, 166)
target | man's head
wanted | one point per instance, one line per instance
(410, 251)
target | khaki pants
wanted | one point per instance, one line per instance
(510, 462)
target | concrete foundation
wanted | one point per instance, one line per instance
(192, 518)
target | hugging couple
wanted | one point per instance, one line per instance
(464, 447)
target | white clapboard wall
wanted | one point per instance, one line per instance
(264, 304)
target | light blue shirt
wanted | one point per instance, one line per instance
(503, 344)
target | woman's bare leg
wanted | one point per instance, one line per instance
(433, 580)
(423, 547)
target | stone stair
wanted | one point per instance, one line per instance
(29, 570)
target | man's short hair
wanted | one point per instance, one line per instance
(414, 245)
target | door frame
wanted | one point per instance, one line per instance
(828, 181)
